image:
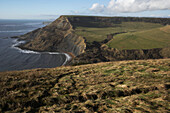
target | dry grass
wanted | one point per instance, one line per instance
(166, 29)
(124, 86)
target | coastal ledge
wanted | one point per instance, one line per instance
(55, 37)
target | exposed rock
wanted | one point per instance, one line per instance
(57, 36)
(104, 54)
(165, 52)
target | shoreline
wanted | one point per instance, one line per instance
(17, 43)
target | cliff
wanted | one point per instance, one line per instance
(55, 37)
(103, 53)
(99, 21)
(60, 36)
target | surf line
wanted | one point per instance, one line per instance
(17, 43)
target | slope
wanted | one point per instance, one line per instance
(124, 86)
(55, 37)
(99, 34)
(148, 39)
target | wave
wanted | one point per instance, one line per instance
(30, 24)
(11, 25)
(26, 51)
(17, 43)
(24, 24)
(16, 31)
(68, 58)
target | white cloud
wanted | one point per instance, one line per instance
(158, 15)
(97, 7)
(74, 12)
(129, 6)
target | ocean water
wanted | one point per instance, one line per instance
(12, 58)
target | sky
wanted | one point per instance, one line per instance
(52, 9)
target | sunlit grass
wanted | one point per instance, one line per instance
(99, 34)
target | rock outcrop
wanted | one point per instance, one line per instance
(55, 37)
(102, 53)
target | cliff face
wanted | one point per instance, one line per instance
(102, 53)
(57, 36)
(97, 21)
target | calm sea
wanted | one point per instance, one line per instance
(12, 58)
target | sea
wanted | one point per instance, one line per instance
(13, 58)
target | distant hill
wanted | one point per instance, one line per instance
(114, 87)
(86, 37)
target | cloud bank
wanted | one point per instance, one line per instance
(131, 6)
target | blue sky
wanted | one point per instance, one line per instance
(51, 9)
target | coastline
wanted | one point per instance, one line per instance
(70, 57)
(17, 43)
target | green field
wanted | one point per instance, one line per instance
(99, 34)
(148, 39)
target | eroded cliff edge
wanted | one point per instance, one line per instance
(55, 37)
(60, 36)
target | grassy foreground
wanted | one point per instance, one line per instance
(123, 86)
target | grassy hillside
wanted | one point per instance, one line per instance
(148, 39)
(166, 29)
(124, 86)
(95, 33)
